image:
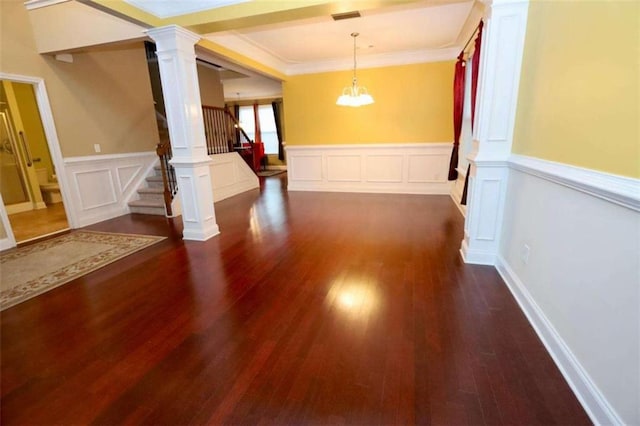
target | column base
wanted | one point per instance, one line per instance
(476, 257)
(200, 234)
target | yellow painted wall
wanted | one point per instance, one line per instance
(103, 97)
(579, 89)
(30, 117)
(413, 104)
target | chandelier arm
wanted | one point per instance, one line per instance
(354, 58)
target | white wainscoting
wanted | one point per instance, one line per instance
(382, 168)
(230, 175)
(100, 186)
(579, 280)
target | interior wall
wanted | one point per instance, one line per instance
(211, 92)
(579, 90)
(56, 27)
(574, 257)
(413, 104)
(581, 274)
(103, 97)
(32, 124)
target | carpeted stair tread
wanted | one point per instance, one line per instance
(151, 191)
(147, 203)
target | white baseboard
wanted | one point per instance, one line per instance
(420, 168)
(476, 257)
(587, 393)
(6, 243)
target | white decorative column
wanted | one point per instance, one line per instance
(179, 77)
(505, 24)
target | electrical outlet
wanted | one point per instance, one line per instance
(524, 254)
(96, 147)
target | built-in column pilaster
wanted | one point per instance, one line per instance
(504, 30)
(179, 77)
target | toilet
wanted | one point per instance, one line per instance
(50, 189)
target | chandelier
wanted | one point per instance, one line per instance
(354, 96)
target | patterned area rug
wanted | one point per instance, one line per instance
(32, 270)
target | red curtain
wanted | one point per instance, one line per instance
(474, 88)
(458, 104)
(258, 147)
(474, 72)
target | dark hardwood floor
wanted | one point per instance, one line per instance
(308, 308)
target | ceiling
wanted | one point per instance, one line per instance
(399, 32)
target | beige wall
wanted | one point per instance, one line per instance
(55, 28)
(211, 93)
(579, 90)
(103, 97)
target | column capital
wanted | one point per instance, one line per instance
(172, 37)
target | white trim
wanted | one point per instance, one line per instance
(106, 157)
(37, 4)
(46, 116)
(242, 44)
(578, 379)
(372, 146)
(416, 168)
(230, 175)
(97, 190)
(624, 191)
(499, 76)
(10, 240)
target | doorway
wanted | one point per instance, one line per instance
(28, 180)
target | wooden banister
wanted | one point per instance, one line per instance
(169, 182)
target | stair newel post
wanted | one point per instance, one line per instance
(179, 78)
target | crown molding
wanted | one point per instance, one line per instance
(37, 4)
(243, 45)
(374, 61)
(248, 48)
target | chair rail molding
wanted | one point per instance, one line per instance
(505, 24)
(621, 190)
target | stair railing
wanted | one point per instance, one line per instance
(222, 131)
(223, 134)
(169, 182)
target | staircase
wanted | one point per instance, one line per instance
(223, 136)
(152, 197)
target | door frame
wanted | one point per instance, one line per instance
(46, 116)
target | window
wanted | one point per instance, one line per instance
(267, 126)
